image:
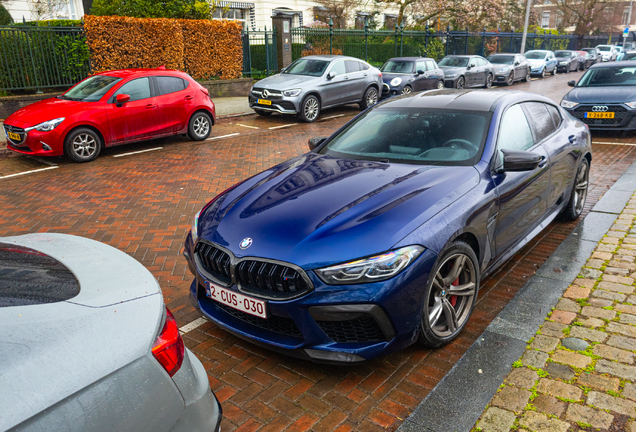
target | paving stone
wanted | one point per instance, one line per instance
(583, 282)
(559, 389)
(622, 342)
(600, 303)
(540, 423)
(623, 261)
(558, 370)
(577, 292)
(553, 329)
(615, 287)
(496, 420)
(599, 293)
(618, 279)
(602, 247)
(570, 358)
(631, 427)
(592, 322)
(512, 399)
(522, 377)
(631, 299)
(619, 227)
(624, 329)
(612, 353)
(549, 405)
(595, 263)
(629, 391)
(615, 404)
(616, 369)
(626, 308)
(568, 305)
(534, 358)
(617, 270)
(610, 240)
(616, 234)
(599, 382)
(583, 414)
(627, 319)
(574, 344)
(604, 256)
(589, 334)
(562, 317)
(598, 313)
(544, 343)
(590, 273)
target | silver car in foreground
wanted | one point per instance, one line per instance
(87, 344)
(313, 83)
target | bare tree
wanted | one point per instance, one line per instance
(341, 11)
(46, 9)
(590, 16)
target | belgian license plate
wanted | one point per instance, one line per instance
(264, 102)
(14, 136)
(235, 300)
(599, 115)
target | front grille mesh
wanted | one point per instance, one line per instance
(274, 323)
(363, 329)
(215, 261)
(274, 280)
(619, 115)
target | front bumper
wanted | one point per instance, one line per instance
(450, 82)
(624, 117)
(279, 104)
(35, 142)
(389, 91)
(318, 326)
(537, 70)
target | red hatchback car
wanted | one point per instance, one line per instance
(112, 108)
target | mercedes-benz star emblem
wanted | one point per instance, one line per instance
(599, 108)
(245, 243)
(265, 93)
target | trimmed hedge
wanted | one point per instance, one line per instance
(201, 48)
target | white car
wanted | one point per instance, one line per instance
(608, 52)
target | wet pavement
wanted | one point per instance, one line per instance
(141, 198)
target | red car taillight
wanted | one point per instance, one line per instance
(380, 74)
(168, 348)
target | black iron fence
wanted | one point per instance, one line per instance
(259, 53)
(42, 57)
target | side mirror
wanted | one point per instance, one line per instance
(468, 67)
(122, 98)
(517, 63)
(315, 142)
(420, 72)
(572, 83)
(283, 70)
(331, 75)
(514, 160)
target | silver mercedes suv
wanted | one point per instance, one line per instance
(313, 83)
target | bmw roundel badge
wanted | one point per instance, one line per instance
(245, 243)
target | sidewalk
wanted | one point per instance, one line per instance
(578, 372)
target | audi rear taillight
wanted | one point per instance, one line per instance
(168, 348)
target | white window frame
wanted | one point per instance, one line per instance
(545, 17)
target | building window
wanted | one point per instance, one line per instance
(390, 21)
(545, 19)
(625, 16)
(234, 14)
(559, 19)
(360, 17)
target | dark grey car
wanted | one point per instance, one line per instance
(567, 60)
(464, 71)
(403, 75)
(594, 55)
(510, 68)
(313, 83)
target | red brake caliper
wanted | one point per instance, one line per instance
(453, 299)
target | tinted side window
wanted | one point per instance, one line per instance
(555, 114)
(338, 68)
(137, 89)
(514, 132)
(420, 65)
(430, 65)
(540, 119)
(167, 85)
(352, 66)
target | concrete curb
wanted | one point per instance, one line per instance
(461, 396)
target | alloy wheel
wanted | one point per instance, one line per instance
(511, 79)
(489, 81)
(580, 190)
(451, 296)
(372, 97)
(84, 146)
(201, 126)
(543, 73)
(440, 85)
(407, 90)
(310, 110)
(460, 83)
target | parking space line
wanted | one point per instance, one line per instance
(222, 136)
(613, 143)
(333, 116)
(137, 152)
(45, 162)
(251, 127)
(28, 172)
(283, 126)
(191, 326)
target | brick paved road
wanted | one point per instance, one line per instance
(144, 203)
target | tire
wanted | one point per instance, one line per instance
(554, 71)
(82, 145)
(489, 80)
(543, 73)
(511, 79)
(370, 98)
(200, 126)
(407, 90)
(440, 85)
(263, 113)
(527, 77)
(576, 202)
(309, 109)
(440, 308)
(460, 83)
(567, 69)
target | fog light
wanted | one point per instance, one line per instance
(46, 147)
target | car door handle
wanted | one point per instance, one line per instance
(572, 139)
(544, 160)
(189, 97)
(365, 74)
(150, 106)
(345, 77)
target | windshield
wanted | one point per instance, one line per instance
(562, 54)
(535, 55)
(609, 76)
(307, 67)
(413, 136)
(589, 50)
(454, 62)
(629, 56)
(398, 66)
(91, 89)
(501, 59)
(603, 48)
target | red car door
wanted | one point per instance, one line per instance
(175, 100)
(135, 119)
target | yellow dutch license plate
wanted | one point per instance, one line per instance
(264, 102)
(14, 136)
(599, 115)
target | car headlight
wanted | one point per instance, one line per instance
(450, 76)
(505, 69)
(631, 104)
(373, 269)
(292, 93)
(568, 104)
(396, 81)
(195, 227)
(47, 125)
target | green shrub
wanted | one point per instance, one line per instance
(5, 16)
(187, 9)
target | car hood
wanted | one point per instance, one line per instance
(317, 210)
(609, 94)
(45, 110)
(500, 67)
(286, 81)
(448, 70)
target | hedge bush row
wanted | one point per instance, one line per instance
(202, 48)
